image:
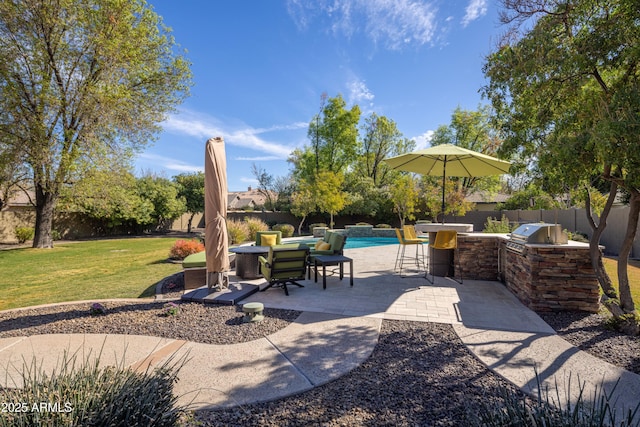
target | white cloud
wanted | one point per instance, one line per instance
(423, 141)
(359, 92)
(258, 158)
(171, 163)
(204, 127)
(248, 180)
(392, 23)
(475, 9)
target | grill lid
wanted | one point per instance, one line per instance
(539, 233)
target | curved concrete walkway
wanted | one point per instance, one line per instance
(337, 331)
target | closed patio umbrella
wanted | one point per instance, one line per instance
(449, 160)
(215, 214)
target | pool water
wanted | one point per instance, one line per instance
(356, 242)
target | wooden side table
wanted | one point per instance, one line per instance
(325, 260)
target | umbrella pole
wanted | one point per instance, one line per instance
(444, 175)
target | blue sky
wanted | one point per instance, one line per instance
(261, 66)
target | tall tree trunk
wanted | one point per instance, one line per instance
(300, 225)
(610, 294)
(190, 222)
(626, 300)
(45, 205)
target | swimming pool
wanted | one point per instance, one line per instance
(353, 242)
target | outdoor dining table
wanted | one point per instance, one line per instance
(247, 263)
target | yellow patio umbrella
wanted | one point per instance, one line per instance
(215, 214)
(449, 160)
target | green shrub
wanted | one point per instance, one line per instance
(548, 410)
(24, 233)
(238, 231)
(494, 226)
(55, 235)
(183, 248)
(254, 225)
(81, 393)
(362, 223)
(286, 229)
(577, 237)
(383, 226)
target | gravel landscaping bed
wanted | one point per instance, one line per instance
(418, 374)
(215, 324)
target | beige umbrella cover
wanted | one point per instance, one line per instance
(215, 214)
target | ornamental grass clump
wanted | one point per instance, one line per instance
(286, 229)
(238, 231)
(549, 410)
(80, 393)
(254, 225)
(183, 248)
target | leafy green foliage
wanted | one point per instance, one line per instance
(404, 195)
(328, 193)
(163, 195)
(23, 234)
(333, 137)
(87, 93)
(530, 198)
(498, 226)
(83, 393)
(303, 202)
(191, 189)
(566, 92)
(381, 139)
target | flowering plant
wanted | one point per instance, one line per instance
(171, 309)
(97, 309)
(183, 248)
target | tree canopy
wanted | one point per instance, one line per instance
(565, 85)
(82, 81)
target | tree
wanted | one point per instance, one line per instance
(567, 91)
(430, 196)
(530, 198)
(474, 131)
(303, 202)
(265, 184)
(81, 80)
(404, 195)
(110, 197)
(191, 189)
(333, 138)
(381, 139)
(328, 193)
(163, 195)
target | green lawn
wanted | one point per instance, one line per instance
(99, 269)
(611, 265)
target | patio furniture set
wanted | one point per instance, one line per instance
(280, 264)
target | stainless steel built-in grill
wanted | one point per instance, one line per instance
(536, 233)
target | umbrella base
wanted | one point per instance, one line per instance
(217, 281)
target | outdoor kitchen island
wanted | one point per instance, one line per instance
(544, 276)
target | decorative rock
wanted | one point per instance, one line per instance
(253, 312)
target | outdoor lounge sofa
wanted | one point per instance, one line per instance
(333, 245)
(195, 270)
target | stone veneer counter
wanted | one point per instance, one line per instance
(545, 277)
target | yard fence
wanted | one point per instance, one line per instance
(574, 220)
